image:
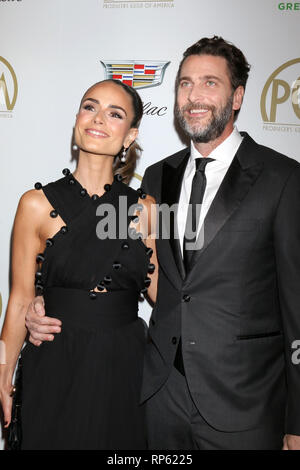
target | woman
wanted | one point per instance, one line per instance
(81, 391)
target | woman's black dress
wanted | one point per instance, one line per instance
(82, 390)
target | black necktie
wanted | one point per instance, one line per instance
(190, 234)
(193, 215)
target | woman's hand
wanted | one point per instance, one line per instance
(6, 389)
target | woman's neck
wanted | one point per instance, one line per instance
(93, 172)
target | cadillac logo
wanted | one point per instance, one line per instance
(135, 73)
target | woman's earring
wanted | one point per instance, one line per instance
(74, 147)
(123, 157)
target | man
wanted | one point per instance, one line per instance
(219, 370)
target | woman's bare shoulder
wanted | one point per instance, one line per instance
(33, 202)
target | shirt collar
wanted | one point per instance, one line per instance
(224, 152)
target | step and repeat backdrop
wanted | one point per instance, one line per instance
(51, 51)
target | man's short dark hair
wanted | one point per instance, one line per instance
(237, 64)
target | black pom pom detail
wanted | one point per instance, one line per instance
(39, 288)
(142, 193)
(66, 171)
(117, 265)
(38, 186)
(49, 242)
(100, 286)
(151, 268)
(149, 251)
(40, 258)
(118, 177)
(107, 280)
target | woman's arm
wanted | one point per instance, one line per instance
(147, 226)
(26, 245)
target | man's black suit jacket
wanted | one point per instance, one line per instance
(238, 309)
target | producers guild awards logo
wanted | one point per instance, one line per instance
(8, 88)
(137, 74)
(280, 98)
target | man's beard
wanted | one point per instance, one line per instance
(213, 128)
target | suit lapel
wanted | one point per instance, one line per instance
(240, 177)
(169, 249)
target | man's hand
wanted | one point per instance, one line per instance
(39, 326)
(291, 442)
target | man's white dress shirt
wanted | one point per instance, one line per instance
(214, 172)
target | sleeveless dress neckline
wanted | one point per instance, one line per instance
(112, 187)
